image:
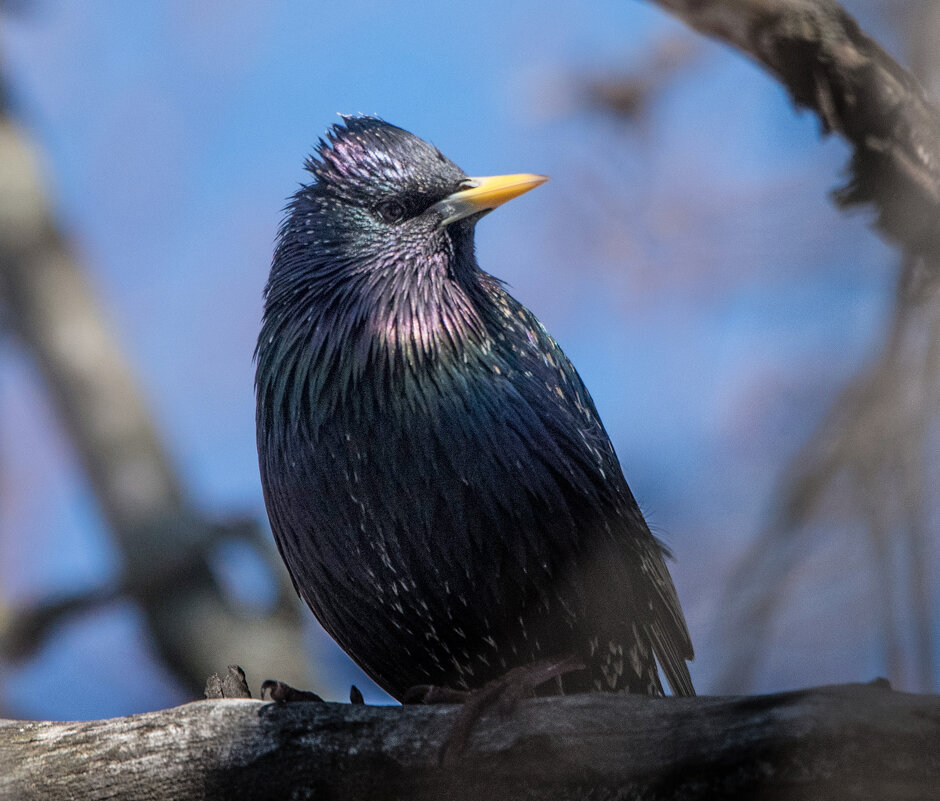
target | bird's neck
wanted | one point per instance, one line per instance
(372, 337)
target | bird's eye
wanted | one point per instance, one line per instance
(391, 211)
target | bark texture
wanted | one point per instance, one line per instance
(845, 742)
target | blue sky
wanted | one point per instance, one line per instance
(691, 265)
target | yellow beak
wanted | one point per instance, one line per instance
(484, 194)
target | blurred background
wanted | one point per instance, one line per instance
(770, 391)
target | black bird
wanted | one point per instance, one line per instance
(438, 480)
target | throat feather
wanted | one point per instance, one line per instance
(372, 343)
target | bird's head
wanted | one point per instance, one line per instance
(384, 200)
(375, 256)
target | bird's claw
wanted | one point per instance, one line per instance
(285, 694)
(502, 693)
(432, 694)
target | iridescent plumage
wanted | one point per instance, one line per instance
(437, 477)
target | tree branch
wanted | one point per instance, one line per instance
(851, 741)
(829, 65)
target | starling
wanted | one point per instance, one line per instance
(438, 480)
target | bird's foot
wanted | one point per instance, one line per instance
(283, 693)
(502, 694)
(233, 684)
(432, 694)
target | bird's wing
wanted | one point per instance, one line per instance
(607, 518)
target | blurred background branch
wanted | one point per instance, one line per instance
(830, 66)
(873, 448)
(164, 541)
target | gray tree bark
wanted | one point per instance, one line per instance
(845, 742)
